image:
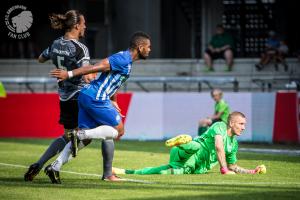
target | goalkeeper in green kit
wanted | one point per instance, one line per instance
(217, 145)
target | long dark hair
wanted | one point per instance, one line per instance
(65, 21)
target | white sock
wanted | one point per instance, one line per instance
(65, 156)
(100, 132)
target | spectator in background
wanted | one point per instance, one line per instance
(275, 51)
(220, 46)
(221, 113)
(283, 52)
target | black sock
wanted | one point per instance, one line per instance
(56, 146)
(108, 148)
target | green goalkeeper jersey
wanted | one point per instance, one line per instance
(206, 156)
(222, 107)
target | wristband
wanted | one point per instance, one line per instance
(224, 170)
(70, 74)
(252, 171)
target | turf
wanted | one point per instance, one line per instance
(281, 182)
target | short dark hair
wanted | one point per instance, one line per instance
(65, 21)
(137, 38)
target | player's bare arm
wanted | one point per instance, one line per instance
(239, 170)
(114, 102)
(102, 66)
(261, 169)
(221, 155)
(220, 150)
(42, 59)
(217, 115)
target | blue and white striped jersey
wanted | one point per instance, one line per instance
(68, 55)
(108, 83)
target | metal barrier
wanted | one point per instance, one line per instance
(268, 83)
(189, 79)
(209, 81)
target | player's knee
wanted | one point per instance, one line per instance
(111, 131)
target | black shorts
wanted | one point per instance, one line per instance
(214, 56)
(69, 113)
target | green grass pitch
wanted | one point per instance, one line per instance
(282, 180)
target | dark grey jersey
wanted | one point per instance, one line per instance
(68, 55)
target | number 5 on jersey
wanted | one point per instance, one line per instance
(60, 61)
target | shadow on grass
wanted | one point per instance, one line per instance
(162, 191)
(145, 146)
(231, 196)
(94, 183)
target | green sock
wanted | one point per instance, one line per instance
(148, 170)
(129, 171)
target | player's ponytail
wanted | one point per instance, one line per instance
(57, 21)
(65, 22)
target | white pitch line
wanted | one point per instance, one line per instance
(79, 173)
(149, 182)
(272, 151)
(243, 183)
(69, 172)
(12, 165)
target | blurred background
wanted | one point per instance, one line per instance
(171, 88)
(178, 28)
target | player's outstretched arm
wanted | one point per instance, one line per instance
(261, 169)
(114, 102)
(221, 155)
(102, 66)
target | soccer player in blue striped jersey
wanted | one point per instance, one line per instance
(98, 117)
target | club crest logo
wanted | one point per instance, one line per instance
(18, 20)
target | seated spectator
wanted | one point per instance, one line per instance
(275, 51)
(283, 52)
(220, 46)
(221, 113)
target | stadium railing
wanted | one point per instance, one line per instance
(209, 81)
(268, 83)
